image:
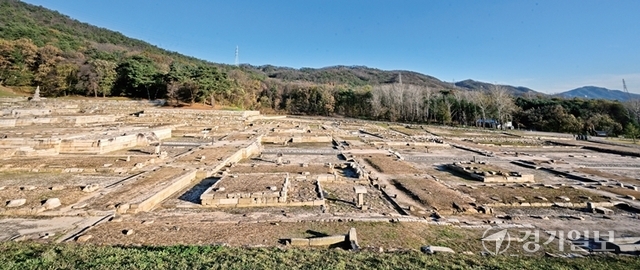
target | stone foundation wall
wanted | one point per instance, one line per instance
(312, 139)
(525, 178)
(101, 146)
(160, 193)
(522, 178)
(29, 147)
(246, 199)
(252, 149)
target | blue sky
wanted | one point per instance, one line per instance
(549, 46)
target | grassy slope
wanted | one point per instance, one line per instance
(70, 256)
(7, 92)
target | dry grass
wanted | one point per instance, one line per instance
(340, 199)
(212, 155)
(137, 187)
(389, 165)
(507, 194)
(62, 162)
(248, 183)
(623, 191)
(302, 190)
(432, 194)
(409, 131)
(620, 178)
(35, 198)
(172, 231)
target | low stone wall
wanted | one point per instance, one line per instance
(428, 144)
(550, 204)
(296, 139)
(101, 146)
(8, 122)
(252, 149)
(71, 120)
(525, 178)
(311, 139)
(211, 198)
(29, 147)
(161, 192)
(30, 112)
(521, 178)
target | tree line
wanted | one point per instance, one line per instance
(145, 75)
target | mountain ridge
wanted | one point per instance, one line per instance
(45, 26)
(596, 92)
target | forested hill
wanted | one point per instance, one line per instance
(593, 92)
(19, 20)
(350, 75)
(475, 85)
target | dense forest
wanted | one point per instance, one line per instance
(40, 47)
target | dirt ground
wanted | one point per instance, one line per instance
(135, 187)
(174, 231)
(508, 194)
(35, 198)
(621, 178)
(432, 194)
(390, 165)
(340, 197)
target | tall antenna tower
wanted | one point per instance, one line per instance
(624, 88)
(237, 59)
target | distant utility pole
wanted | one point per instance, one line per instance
(400, 78)
(237, 55)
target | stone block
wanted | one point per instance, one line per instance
(84, 238)
(122, 208)
(228, 201)
(116, 219)
(327, 240)
(352, 237)
(16, 203)
(245, 201)
(436, 249)
(360, 190)
(79, 206)
(541, 198)
(299, 242)
(603, 210)
(91, 188)
(57, 188)
(51, 203)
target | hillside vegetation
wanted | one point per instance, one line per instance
(40, 47)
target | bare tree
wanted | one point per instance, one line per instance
(633, 106)
(482, 100)
(502, 102)
(427, 95)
